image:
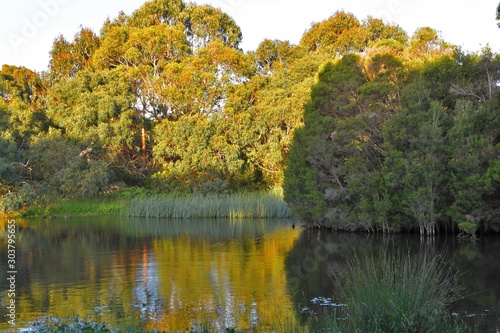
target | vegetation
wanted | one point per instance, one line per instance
(138, 202)
(400, 141)
(236, 206)
(108, 203)
(86, 206)
(398, 294)
(364, 126)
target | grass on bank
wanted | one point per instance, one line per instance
(138, 202)
(233, 206)
(103, 204)
(93, 206)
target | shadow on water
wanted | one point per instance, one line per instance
(316, 253)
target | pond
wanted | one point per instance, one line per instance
(173, 275)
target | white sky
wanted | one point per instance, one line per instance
(28, 27)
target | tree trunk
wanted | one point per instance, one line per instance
(143, 148)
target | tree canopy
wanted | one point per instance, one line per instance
(362, 125)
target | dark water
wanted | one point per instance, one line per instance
(177, 275)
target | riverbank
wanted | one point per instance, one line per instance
(138, 202)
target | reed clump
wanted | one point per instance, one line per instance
(398, 294)
(233, 206)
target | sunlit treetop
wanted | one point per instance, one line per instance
(158, 32)
(19, 83)
(67, 58)
(201, 23)
(343, 33)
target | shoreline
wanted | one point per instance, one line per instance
(139, 203)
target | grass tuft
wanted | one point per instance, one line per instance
(398, 294)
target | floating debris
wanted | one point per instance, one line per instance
(325, 301)
(306, 309)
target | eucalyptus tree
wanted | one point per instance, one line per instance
(95, 109)
(67, 58)
(166, 60)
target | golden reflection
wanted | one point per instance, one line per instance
(239, 283)
(171, 281)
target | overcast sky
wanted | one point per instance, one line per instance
(28, 27)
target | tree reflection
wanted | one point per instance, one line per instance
(318, 252)
(155, 274)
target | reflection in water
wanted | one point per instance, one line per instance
(317, 253)
(176, 274)
(154, 274)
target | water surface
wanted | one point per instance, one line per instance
(173, 275)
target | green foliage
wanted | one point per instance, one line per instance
(10, 172)
(389, 151)
(20, 83)
(69, 169)
(234, 206)
(340, 34)
(25, 196)
(336, 92)
(378, 130)
(380, 31)
(94, 106)
(467, 228)
(333, 132)
(273, 54)
(67, 58)
(196, 155)
(397, 294)
(21, 104)
(301, 185)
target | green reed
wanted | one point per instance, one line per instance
(397, 294)
(234, 206)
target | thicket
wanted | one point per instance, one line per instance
(391, 147)
(393, 132)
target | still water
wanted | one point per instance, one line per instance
(173, 275)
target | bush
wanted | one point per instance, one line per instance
(467, 228)
(27, 195)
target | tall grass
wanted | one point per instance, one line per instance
(234, 206)
(397, 294)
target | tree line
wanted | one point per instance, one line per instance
(393, 142)
(361, 124)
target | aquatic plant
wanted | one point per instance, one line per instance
(234, 206)
(399, 293)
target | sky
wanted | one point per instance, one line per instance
(28, 27)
